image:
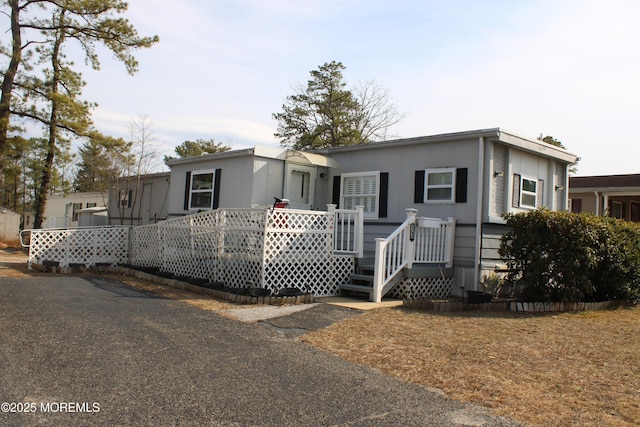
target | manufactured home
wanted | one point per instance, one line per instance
(139, 200)
(63, 210)
(465, 180)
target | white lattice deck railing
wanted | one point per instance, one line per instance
(267, 248)
(82, 246)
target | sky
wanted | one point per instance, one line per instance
(569, 69)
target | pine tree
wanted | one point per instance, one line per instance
(54, 99)
(327, 114)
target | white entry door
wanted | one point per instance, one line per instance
(300, 186)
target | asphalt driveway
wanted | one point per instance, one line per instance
(92, 351)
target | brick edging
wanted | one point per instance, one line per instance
(524, 307)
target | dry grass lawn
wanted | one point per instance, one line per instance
(552, 370)
(560, 370)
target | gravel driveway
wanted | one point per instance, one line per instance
(93, 351)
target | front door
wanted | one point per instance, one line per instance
(300, 186)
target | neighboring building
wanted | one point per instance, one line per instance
(133, 202)
(9, 224)
(62, 211)
(617, 196)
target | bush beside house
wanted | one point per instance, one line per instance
(560, 256)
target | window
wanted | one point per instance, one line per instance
(616, 210)
(576, 205)
(201, 193)
(527, 192)
(92, 205)
(440, 185)
(635, 211)
(125, 198)
(361, 189)
(202, 189)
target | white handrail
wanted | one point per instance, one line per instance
(391, 255)
(421, 240)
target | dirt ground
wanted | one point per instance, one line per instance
(547, 369)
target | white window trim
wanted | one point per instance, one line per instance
(427, 186)
(376, 174)
(523, 192)
(212, 190)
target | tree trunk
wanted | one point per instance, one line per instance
(7, 81)
(41, 201)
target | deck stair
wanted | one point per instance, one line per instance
(426, 242)
(361, 281)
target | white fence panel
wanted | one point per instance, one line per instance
(81, 246)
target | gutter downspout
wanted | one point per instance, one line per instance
(479, 205)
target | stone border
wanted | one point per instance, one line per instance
(521, 307)
(178, 284)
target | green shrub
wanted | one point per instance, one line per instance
(560, 256)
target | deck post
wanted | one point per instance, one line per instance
(359, 231)
(451, 238)
(378, 271)
(409, 241)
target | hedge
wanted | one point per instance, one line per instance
(567, 257)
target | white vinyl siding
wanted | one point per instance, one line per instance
(361, 189)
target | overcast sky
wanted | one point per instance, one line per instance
(570, 69)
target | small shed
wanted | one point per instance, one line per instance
(9, 224)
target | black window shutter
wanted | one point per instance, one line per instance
(129, 198)
(335, 197)
(461, 185)
(216, 189)
(418, 187)
(384, 195)
(187, 191)
(515, 195)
